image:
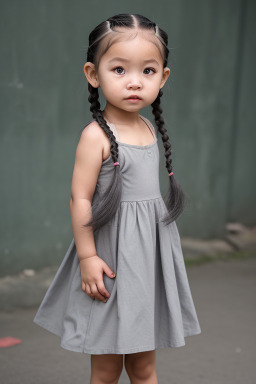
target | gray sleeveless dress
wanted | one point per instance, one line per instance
(150, 304)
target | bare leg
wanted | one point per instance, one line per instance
(141, 367)
(106, 369)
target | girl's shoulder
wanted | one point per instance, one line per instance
(93, 132)
(93, 138)
(91, 128)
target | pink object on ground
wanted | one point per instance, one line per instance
(9, 341)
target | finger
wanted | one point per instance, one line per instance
(83, 286)
(96, 293)
(88, 290)
(102, 289)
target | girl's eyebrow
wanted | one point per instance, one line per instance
(123, 59)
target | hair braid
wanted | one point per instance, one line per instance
(105, 209)
(97, 115)
(175, 198)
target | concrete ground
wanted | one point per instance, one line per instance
(224, 353)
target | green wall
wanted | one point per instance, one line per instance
(208, 104)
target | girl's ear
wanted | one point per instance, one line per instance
(166, 74)
(91, 75)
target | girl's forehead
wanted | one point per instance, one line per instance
(130, 45)
(135, 43)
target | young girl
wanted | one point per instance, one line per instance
(122, 287)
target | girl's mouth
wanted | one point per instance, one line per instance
(134, 99)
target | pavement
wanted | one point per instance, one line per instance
(224, 353)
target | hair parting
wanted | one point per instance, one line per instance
(104, 209)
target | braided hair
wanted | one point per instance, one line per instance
(105, 209)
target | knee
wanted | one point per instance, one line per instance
(140, 369)
(107, 372)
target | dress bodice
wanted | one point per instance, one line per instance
(139, 166)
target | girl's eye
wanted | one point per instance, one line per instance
(151, 69)
(118, 68)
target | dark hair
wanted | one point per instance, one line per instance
(105, 209)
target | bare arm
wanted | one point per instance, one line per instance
(87, 166)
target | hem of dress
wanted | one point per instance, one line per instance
(46, 326)
(99, 351)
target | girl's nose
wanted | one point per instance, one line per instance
(134, 84)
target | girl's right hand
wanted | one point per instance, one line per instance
(92, 277)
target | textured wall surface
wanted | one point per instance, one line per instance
(208, 106)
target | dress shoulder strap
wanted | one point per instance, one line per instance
(114, 130)
(150, 125)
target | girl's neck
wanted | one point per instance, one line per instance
(121, 117)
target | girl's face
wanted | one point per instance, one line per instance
(133, 67)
